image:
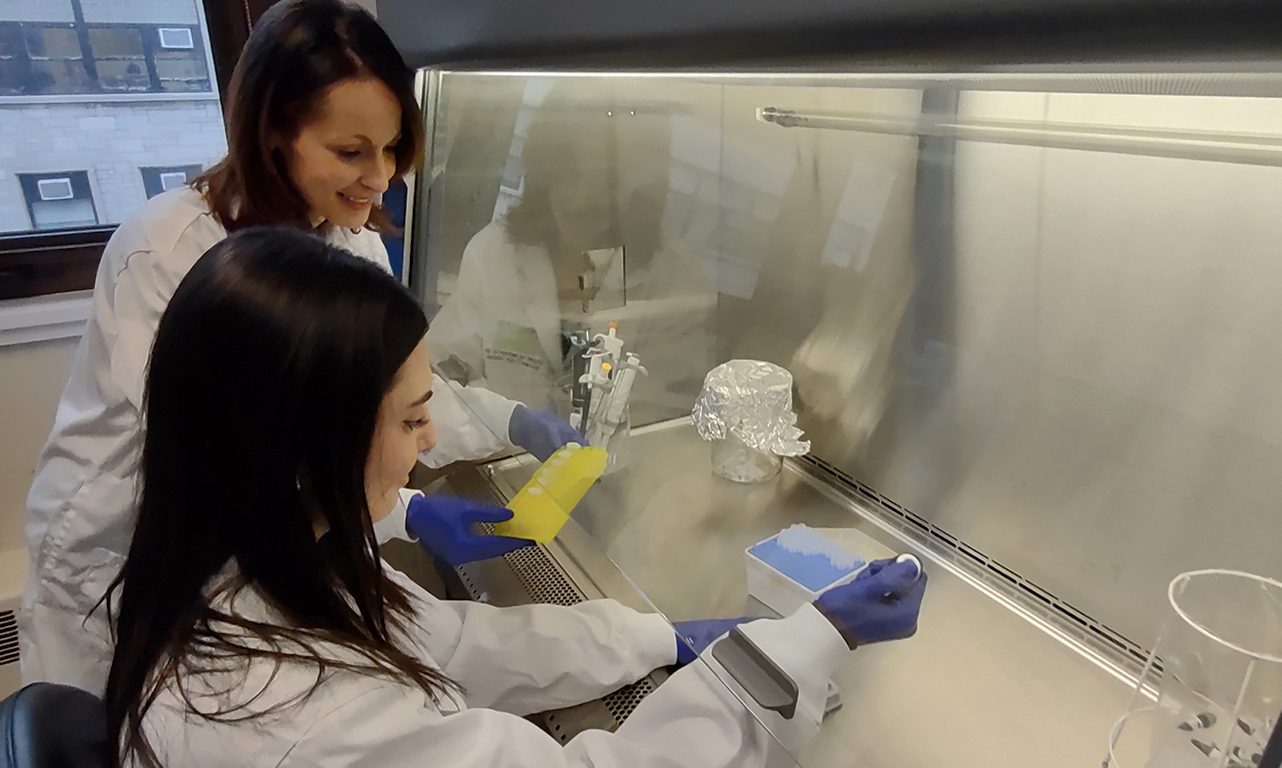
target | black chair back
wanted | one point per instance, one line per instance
(53, 726)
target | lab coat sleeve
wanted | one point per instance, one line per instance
(697, 719)
(533, 658)
(143, 289)
(471, 423)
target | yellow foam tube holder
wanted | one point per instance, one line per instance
(544, 505)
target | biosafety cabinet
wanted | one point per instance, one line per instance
(1021, 260)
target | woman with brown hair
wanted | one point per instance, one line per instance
(322, 115)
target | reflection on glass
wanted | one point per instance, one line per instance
(975, 290)
(668, 210)
(53, 43)
(123, 74)
(182, 71)
(116, 41)
(59, 76)
(576, 245)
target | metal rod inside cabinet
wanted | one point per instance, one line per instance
(1249, 149)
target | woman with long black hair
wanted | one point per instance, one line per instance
(256, 625)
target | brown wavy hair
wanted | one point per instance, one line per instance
(297, 51)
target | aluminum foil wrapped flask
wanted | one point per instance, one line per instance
(745, 411)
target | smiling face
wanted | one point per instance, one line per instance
(404, 430)
(343, 158)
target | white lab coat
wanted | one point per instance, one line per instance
(504, 322)
(510, 662)
(79, 510)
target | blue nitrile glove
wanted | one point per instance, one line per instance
(694, 637)
(446, 527)
(882, 603)
(541, 433)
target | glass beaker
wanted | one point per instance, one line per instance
(617, 444)
(735, 460)
(1210, 694)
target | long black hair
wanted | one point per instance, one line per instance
(296, 52)
(266, 378)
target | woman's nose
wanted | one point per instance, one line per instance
(427, 439)
(378, 175)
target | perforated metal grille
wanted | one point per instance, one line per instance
(557, 728)
(546, 582)
(473, 486)
(542, 579)
(8, 638)
(473, 589)
(622, 702)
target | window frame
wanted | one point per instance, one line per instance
(42, 264)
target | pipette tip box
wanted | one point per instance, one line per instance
(543, 506)
(795, 566)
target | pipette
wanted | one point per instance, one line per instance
(611, 409)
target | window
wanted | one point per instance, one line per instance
(180, 63)
(179, 38)
(55, 189)
(120, 58)
(93, 94)
(13, 60)
(55, 62)
(39, 59)
(61, 200)
(157, 180)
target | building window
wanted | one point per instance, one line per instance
(51, 59)
(55, 61)
(157, 180)
(180, 62)
(59, 200)
(13, 60)
(120, 58)
(111, 89)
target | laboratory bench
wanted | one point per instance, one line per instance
(989, 680)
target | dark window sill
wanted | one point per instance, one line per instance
(50, 262)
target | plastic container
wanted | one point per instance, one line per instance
(1211, 692)
(542, 507)
(784, 592)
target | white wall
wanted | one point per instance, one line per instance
(37, 10)
(103, 11)
(134, 12)
(31, 381)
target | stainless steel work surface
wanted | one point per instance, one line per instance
(980, 684)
